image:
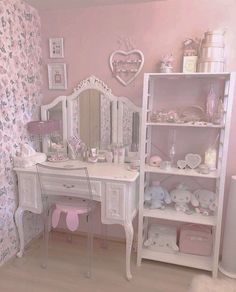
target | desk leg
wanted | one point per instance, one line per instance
(129, 233)
(19, 224)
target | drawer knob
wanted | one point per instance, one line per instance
(68, 186)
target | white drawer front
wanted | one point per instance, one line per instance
(61, 186)
(113, 207)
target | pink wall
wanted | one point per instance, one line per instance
(156, 28)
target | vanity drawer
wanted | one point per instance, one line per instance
(78, 187)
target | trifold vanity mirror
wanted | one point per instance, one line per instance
(94, 114)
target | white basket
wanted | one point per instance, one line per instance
(211, 66)
(212, 52)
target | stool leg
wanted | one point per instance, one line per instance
(104, 243)
(45, 237)
(89, 246)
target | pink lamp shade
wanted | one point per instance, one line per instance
(43, 127)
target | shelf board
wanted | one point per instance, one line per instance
(171, 214)
(193, 261)
(182, 172)
(208, 125)
(177, 75)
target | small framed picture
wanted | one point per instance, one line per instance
(56, 48)
(57, 76)
(190, 64)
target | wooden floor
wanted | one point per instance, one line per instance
(66, 266)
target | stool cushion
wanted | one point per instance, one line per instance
(72, 212)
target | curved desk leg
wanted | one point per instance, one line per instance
(129, 233)
(19, 224)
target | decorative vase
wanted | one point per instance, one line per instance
(166, 69)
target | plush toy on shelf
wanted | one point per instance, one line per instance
(205, 202)
(181, 196)
(156, 196)
(162, 238)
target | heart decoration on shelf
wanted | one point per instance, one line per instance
(181, 164)
(126, 66)
(193, 160)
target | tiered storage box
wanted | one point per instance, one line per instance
(212, 57)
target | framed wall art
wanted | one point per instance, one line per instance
(56, 48)
(57, 76)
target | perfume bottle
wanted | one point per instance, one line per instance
(121, 154)
(115, 154)
(211, 104)
(172, 146)
(219, 112)
(211, 154)
(211, 157)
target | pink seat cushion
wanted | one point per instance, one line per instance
(72, 212)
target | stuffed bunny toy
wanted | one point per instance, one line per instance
(181, 196)
(205, 202)
(156, 197)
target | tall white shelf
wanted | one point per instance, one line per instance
(150, 90)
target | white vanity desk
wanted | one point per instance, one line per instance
(112, 185)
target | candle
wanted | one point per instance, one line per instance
(210, 158)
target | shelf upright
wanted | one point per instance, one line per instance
(149, 93)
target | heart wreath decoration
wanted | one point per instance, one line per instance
(126, 66)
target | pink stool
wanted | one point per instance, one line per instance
(72, 213)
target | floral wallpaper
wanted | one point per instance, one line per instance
(20, 83)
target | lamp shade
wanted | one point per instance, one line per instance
(43, 127)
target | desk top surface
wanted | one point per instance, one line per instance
(109, 171)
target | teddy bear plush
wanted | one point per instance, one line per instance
(205, 202)
(156, 197)
(181, 196)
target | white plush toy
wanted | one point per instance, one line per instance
(181, 196)
(162, 238)
(205, 202)
(156, 197)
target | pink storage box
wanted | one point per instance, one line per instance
(196, 239)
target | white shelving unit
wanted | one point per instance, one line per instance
(150, 94)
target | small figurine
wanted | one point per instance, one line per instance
(93, 155)
(191, 47)
(155, 161)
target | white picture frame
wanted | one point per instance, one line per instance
(56, 48)
(57, 76)
(190, 64)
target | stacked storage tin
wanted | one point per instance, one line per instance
(212, 55)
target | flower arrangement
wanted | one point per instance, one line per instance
(167, 63)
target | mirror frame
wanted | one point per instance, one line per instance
(91, 82)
